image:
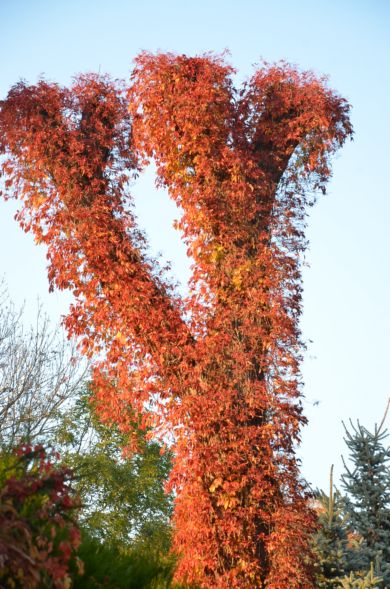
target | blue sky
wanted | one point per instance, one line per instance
(347, 286)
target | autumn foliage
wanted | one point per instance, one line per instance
(38, 534)
(218, 371)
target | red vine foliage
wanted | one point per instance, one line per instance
(218, 370)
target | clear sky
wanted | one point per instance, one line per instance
(347, 282)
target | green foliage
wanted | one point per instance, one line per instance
(362, 581)
(353, 538)
(106, 566)
(125, 513)
(367, 484)
(123, 496)
(330, 541)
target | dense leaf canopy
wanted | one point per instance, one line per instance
(219, 370)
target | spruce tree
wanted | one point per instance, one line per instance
(367, 484)
(330, 541)
(368, 581)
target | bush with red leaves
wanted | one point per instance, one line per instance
(38, 532)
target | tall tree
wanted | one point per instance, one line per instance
(218, 371)
(367, 484)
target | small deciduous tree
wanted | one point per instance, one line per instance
(40, 373)
(124, 504)
(220, 369)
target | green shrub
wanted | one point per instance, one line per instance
(106, 566)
